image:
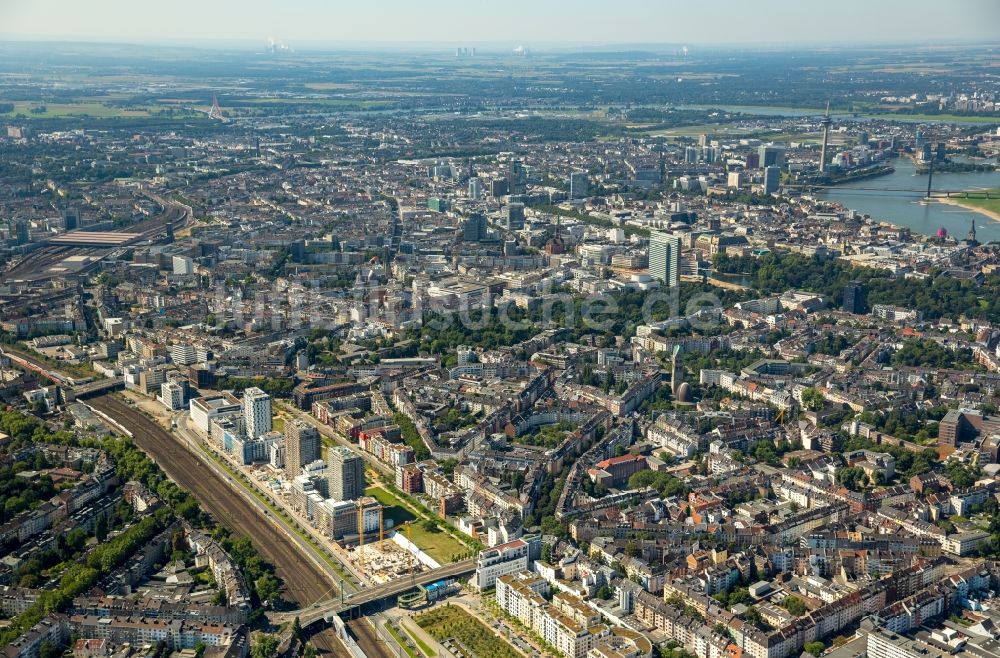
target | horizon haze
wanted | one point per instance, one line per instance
(307, 24)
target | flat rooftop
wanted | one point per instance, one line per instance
(94, 238)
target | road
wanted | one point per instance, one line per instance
(378, 592)
(304, 582)
(194, 443)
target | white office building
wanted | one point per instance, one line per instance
(207, 409)
(183, 355)
(500, 561)
(183, 265)
(172, 395)
(256, 412)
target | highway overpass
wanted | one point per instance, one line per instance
(331, 607)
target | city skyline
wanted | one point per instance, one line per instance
(309, 25)
(565, 330)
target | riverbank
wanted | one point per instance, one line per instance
(898, 198)
(992, 210)
(863, 174)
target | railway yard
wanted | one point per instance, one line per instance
(305, 584)
(54, 260)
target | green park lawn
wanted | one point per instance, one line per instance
(436, 543)
(445, 622)
(990, 205)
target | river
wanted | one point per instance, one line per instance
(906, 209)
(795, 112)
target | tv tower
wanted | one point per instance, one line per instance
(825, 122)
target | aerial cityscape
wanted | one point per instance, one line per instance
(638, 331)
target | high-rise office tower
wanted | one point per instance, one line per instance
(771, 156)
(579, 185)
(256, 412)
(855, 297)
(183, 265)
(302, 446)
(517, 178)
(21, 233)
(772, 179)
(514, 216)
(347, 473)
(475, 189)
(474, 228)
(664, 258)
(71, 219)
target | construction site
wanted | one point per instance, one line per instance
(384, 560)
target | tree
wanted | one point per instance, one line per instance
(812, 399)
(101, 528)
(739, 595)
(265, 646)
(961, 476)
(297, 629)
(794, 606)
(268, 588)
(49, 650)
(852, 477)
(814, 648)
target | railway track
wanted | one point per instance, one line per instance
(33, 266)
(304, 583)
(367, 639)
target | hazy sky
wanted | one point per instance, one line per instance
(534, 23)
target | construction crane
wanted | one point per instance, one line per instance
(409, 555)
(361, 536)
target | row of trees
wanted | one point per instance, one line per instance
(281, 388)
(411, 436)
